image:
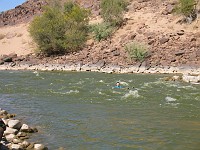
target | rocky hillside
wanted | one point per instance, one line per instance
(26, 11)
(21, 13)
(150, 22)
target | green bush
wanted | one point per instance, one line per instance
(185, 7)
(60, 29)
(112, 11)
(102, 31)
(136, 51)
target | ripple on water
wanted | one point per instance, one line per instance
(85, 106)
(133, 94)
(170, 101)
(65, 93)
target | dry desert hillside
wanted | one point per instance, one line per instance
(150, 22)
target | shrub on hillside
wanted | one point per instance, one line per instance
(112, 11)
(186, 7)
(136, 51)
(102, 31)
(60, 29)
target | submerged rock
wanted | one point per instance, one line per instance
(191, 78)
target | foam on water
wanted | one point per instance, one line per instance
(124, 83)
(80, 82)
(187, 87)
(116, 92)
(9, 84)
(101, 81)
(36, 73)
(68, 92)
(149, 84)
(72, 91)
(170, 99)
(131, 93)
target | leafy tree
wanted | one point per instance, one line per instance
(60, 29)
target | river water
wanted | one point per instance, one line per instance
(82, 110)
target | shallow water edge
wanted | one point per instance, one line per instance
(108, 68)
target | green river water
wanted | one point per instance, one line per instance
(82, 110)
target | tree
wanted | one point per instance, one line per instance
(60, 29)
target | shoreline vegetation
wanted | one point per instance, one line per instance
(16, 134)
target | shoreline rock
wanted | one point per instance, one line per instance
(16, 133)
(189, 74)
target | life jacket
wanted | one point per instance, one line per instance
(117, 87)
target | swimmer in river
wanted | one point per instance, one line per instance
(118, 86)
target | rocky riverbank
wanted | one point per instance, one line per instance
(172, 47)
(16, 134)
(30, 62)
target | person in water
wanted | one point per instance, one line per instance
(118, 86)
(2, 127)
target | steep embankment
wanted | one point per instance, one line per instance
(148, 21)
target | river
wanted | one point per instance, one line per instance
(81, 110)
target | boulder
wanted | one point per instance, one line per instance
(181, 32)
(173, 78)
(10, 131)
(191, 79)
(181, 52)
(168, 9)
(5, 121)
(107, 69)
(16, 124)
(16, 141)
(39, 147)
(21, 134)
(26, 128)
(142, 68)
(1, 62)
(7, 59)
(3, 112)
(25, 144)
(164, 40)
(85, 67)
(31, 146)
(10, 137)
(16, 147)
